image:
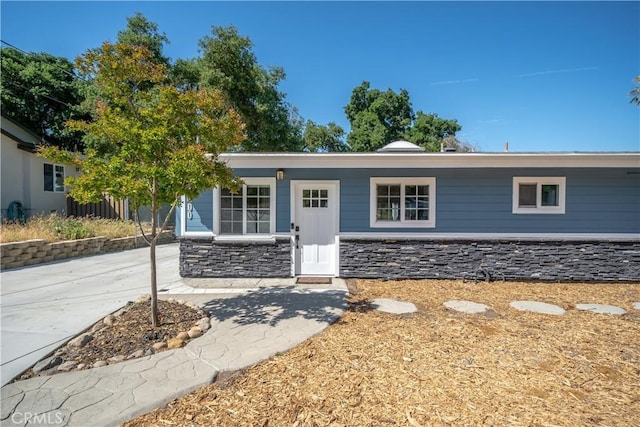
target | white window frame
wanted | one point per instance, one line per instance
(403, 223)
(539, 181)
(271, 182)
(55, 168)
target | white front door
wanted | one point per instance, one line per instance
(315, 214)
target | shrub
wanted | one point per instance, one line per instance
(71, 229)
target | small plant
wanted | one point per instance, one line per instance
(71, 229)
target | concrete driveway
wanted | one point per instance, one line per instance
(47, 304)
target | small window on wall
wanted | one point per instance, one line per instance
(53, 178)
(539, 195)
(402, 202)
(249, 211)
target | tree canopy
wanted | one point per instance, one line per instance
(229, 64)
(41, 92)
(378, 118)
(635, 92)
(148, 140)
(319, 138)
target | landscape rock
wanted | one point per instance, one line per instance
(97, 327)
(174, 343)
(159, 345)
(81, 366)
(67, 366)
(143, 299)
(116, 359)
(135, 354)
(204, 324)
(48, 363)
(195, 332)
(80, 341)
(108, 320)
(100, 363)
(182, 336)
(150, 351)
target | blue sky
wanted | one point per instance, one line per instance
(544, 76)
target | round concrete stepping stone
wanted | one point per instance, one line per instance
(538, 307)
(636, 305)
(467, 306)
(602, 309)
(393, 306)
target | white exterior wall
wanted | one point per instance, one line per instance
(22, 175)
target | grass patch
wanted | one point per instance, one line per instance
(54, 228)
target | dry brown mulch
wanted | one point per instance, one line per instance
(131, 331)
(439, 367)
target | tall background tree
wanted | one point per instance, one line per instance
(227, 63)
(148, 139)
(319, 138)
(378, 118)
(41, 92)
(635, 92)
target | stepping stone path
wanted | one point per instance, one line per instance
(467, 307)
(400, 307)
(602, 309)
(538, 307)
(393, 306)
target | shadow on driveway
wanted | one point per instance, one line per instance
(269, 306)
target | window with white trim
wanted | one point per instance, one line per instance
(53, 178)
(539, 195)
(402, 202)
(249, 211)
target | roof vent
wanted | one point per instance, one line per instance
(401, 147)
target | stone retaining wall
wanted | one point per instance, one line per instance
(509, 260)
(208, 258)
(30, 252)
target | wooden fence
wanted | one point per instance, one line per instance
(109, 208)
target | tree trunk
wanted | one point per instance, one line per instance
(152, 251)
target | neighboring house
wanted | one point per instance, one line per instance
(402, 213)
(27, 178)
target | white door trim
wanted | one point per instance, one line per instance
(335, 211)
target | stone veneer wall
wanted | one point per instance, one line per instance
(30, 252)
(208, 258)
(509, 260)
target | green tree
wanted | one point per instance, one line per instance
(329, 138)
(40, 92)
(229, 64)
(635, 92)
(378, 118)
(149, 142)
(429, 130)
(142, 32)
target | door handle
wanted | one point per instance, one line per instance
(297, 240)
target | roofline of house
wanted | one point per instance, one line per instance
(433, 160)
(22, 145)
(37, 138)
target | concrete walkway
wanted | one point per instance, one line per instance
(251, 320)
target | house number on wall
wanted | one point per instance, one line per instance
(189, 210)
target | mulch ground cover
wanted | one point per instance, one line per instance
(439, 367)
(130, 332)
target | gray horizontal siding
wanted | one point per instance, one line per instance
(202, 220)
(603, 200)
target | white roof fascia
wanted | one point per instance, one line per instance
(431, 160)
